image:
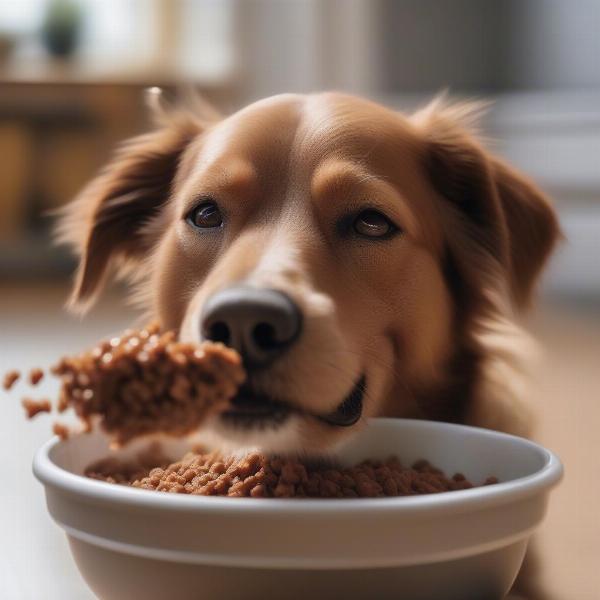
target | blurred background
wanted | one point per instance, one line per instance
(72, 75)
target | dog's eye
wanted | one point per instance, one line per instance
(206, 215)
(371, 223)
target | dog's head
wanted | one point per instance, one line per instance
(344, 249)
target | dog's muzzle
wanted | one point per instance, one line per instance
(262, 324)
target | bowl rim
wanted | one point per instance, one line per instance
(549, 475)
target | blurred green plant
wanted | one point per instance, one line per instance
(61, 27)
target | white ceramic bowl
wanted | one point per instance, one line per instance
(130, 543)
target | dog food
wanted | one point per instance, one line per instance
(113, 470)
(10, 379)
(35, 407)
(35, 376)
(142, 382)
(145, 382)
(61, 430)
(257, 476)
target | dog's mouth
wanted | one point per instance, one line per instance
(350, 410)
(249, 409)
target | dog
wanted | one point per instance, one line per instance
(362, 261)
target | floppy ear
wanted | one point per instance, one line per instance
(106, 222)
(499, 220)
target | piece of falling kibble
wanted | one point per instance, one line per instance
(35, 376)
(10, 379)
(35, 407)
(61, 430)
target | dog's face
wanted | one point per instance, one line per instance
(341, 247)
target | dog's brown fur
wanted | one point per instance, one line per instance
(427, 315)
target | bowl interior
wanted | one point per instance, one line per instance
(477, 453)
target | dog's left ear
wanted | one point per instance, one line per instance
(107, 223)
(500, 214)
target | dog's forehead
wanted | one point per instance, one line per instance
(262, 130)
(344, 125)
(308, 129)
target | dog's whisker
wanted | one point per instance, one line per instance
(387, 366)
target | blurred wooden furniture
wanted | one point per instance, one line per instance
(58, 124)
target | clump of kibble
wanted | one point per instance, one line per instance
(147, 382)
(258, 476)
(142, 382)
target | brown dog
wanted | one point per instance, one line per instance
(364, 262)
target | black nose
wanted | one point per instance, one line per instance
(260, 323)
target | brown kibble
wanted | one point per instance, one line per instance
(35, 407)
(390, 487)
(35, 376)
(293, 472)
(258, 491)
(218, 467)
(258, 476)
(329, 489)
(61, 430)
(283, 490)
(368, 488)
(249, 465)
(10, 379)
(333, 475)
(147, 382)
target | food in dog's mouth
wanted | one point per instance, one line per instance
(258, 476)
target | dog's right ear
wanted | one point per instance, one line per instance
(106, 223)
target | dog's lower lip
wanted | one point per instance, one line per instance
(248, 407)
(350, 410)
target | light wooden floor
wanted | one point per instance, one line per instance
(567, 400)
(34, 558)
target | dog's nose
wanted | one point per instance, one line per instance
(260, 323)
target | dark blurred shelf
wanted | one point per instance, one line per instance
(41, 69)
(34, 256)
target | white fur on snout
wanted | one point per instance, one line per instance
(277, 439)
(279, 266)
(190, 330)
(319, 370)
